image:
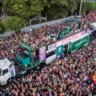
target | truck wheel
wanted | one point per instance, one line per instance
(10, 80)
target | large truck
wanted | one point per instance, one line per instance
(26, 61)
(43, 55)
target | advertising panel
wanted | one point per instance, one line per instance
(52, 47)
(42, 53)
(73, 37)
(78, 43)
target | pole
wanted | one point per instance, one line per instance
(30, 22)
(80, 7)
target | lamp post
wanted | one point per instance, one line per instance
(80, 7)
(30, 22)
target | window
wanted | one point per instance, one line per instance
(50, 54)
(5, 71)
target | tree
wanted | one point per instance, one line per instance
(90, 6)
(23, 8)
(72, 6)
(86, 6)
(55, 9)
(56, 12)
(2, 28)
(14, 23)
(28, 8)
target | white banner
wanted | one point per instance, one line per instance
(51, 47)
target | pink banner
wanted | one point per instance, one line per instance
(59, 43)
(42, 53)
(73, 37)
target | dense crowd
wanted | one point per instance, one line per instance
(9, 46)
(72, 76)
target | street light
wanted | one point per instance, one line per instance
(80, 7)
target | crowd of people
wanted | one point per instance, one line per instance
(71, 76)
(74, 75)
(10, 46)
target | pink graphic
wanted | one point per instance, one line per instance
(42, 53)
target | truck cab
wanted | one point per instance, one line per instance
(7, 71)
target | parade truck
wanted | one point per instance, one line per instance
(34, 58)
(30, 60)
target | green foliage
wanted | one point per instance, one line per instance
(86, 6)
(90, 6)
(72, 6)
(56, 9)
(23, 8)
(55, 12)
(83, 8)
(27, 8)
(2, 28)
(59, 2)
(53, 9)
(14, 23)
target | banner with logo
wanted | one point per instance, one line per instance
(42, 53)
(51, 47)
